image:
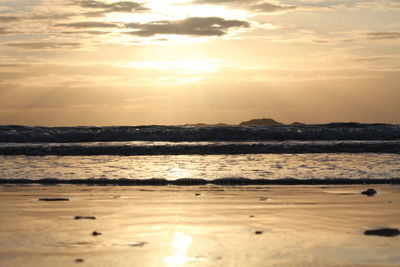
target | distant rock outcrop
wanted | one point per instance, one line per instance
(260, 122)
(296, 123)
(205, 124)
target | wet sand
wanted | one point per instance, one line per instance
(210, 225)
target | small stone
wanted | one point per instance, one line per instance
(53, 199)
(251, 216)
(258, 232)
(95, 233)
(79, 260)
(383, 232)
(263, 198)
(197, 194)
(369, 192)
(85, 218)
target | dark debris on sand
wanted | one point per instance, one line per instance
(369, 192)
(138, 244)
(95, 233)
(383, 232)
(54, 199)
(79, 260)
(258, 232)
(85, 218)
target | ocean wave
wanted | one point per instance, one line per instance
(332, 131)
(202, 149)
(188, 182)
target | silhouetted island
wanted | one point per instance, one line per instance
(260, 122)
(205, 124)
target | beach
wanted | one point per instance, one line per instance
(216, 133)
(211, 225)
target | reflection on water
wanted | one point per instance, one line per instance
(181, 244)
(269, 166)
(179, 173)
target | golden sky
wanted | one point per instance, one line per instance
(98, 62)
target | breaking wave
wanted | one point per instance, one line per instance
(198, 148)
(332, 131)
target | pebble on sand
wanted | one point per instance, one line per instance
(369, 192)
(383, 232)
(258, 232)
(95, 233)
(85, 218)
(54, 199)
(79, 260)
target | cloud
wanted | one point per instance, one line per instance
(255, 5)
(373, 59)
(379, 4)
(50, 16)
(85, 32)
(383, 35)
(44, 45)
(89, 24)
(6, 19)
(270, 8)
(196, 26)
(44, 16)
(3, 31)
(121, 6)
(223, 1)
(11, 65)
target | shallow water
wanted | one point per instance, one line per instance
(257, 166)
(198, 226)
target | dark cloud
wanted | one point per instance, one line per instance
(6, 31)
(3, 31)
(198, 26)
(5, 19)
(102, 7)
(383, 35)
(85, 32)
(51, 16)
(89, 24)
(8, 19)
(45, 45)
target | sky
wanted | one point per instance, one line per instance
(100, 62)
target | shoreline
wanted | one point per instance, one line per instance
(195, 182)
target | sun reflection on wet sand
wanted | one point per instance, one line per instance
(181, 244)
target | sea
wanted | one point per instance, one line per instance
(334, 153)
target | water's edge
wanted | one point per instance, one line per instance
(189, 182)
